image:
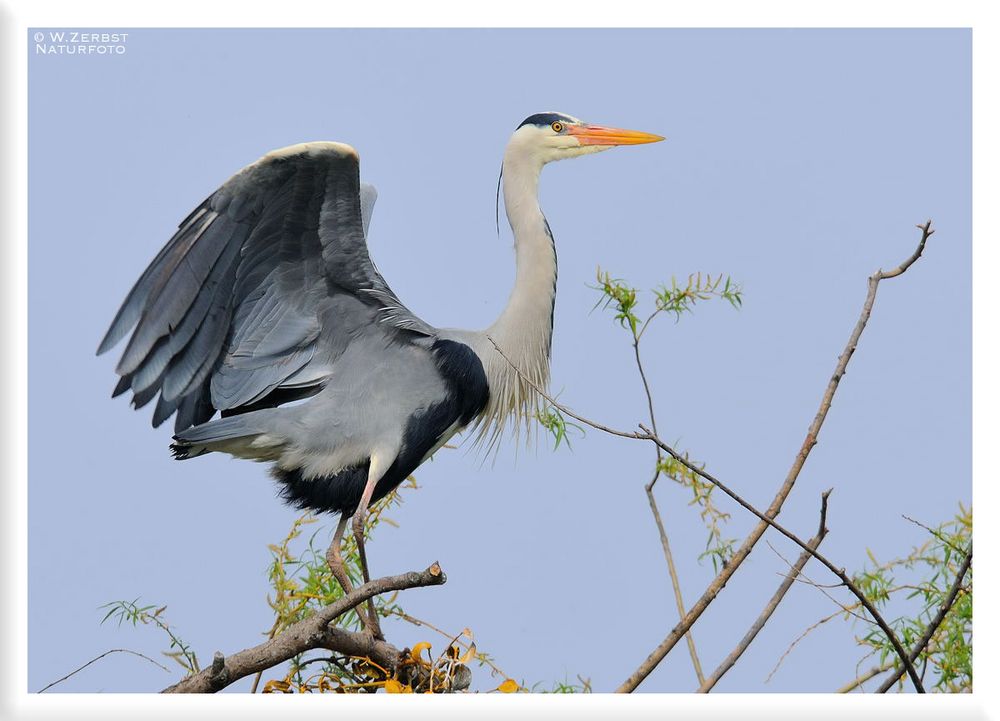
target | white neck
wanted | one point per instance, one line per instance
(524, 328)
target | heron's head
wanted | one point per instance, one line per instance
(545, 137)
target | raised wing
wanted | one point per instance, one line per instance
(258, 291)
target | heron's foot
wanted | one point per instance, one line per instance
(369, 623)
(370, 619)
(336, 563)
(344, 580)
(375, 633)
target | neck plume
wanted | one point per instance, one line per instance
(524, 328)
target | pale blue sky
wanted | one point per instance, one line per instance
(796, 161)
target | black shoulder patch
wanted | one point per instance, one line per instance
(463, 372)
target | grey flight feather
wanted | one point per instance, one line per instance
(260, 292)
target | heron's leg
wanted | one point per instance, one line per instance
(334, 558)
(358, 524)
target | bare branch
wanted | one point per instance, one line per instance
(674, 582)
(902, 267)
(932, 627)
(310, 633)
(772, 605)
(98, 658)
(645, 386)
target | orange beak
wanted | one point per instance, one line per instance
(599, 135)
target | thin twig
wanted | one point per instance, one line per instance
(802, 578)
(867, 676)
(318, 659)
(646, 323)
(645, 386)
(822, 588)
(798, 639)
(847, 610)
(559, 406)
(904, 266)
(937, 534)
(861, 678)
(932, 627)
(674, 582)
(348, 674)
(772, 605)
(98, 658)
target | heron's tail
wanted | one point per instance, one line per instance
(239, 435)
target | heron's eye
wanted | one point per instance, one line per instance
(557, 126)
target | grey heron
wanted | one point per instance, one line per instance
(266, 309)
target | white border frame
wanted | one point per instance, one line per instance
(15, 702)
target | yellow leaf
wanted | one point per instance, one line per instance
(417, 650)
(508, 686)
(394, 686)
(468, 655)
